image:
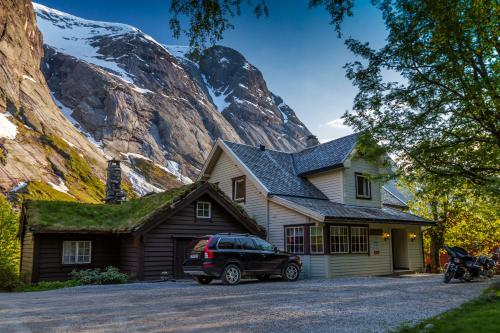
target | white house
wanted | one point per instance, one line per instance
(321, 203)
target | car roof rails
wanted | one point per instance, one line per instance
(231, 234)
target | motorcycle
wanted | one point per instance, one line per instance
(461, 265)
(489, 264)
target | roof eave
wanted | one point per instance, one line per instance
(372, 220)
(298, 208)
(320, 170)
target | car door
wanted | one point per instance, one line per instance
(270, 260)
(250, 256)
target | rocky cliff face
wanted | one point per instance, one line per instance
(96, 90)
(32, 128)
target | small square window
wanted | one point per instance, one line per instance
(239, 189)
(203, 209)
(76, 252)
(363, 187)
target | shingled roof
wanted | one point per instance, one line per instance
(283, 175)
(276, 171)
(337, 211)
(325, 156)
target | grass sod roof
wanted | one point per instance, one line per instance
(63, 216)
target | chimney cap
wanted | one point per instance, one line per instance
(262, 147)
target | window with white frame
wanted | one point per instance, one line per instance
(239, 192)
(203, 209)
(77, 252)
(316, 239)
(363, 186)
(339, 239)
(294, 239)
(359, 239)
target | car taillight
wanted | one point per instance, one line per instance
(208, 254)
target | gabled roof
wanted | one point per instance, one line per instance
(282, 177)
(275, 170)
(325, 156)
(328, 210)
(130, 216)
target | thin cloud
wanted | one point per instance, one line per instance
(337, 123)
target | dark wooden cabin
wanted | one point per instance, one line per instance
(143, 238)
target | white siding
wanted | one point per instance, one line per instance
(330, 183)
(358, 264)
(280, 216)
(255, 203)
(363, 264)
(415, 259)
(361, 166)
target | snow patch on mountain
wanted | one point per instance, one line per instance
(61, 187)
(218, 97)
(7, 129)
(67, 112)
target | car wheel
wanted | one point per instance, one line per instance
(264, 277)
(231, 275)
(204, 279)
(291, 272)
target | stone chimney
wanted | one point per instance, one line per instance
(114, 192)
(311, 141)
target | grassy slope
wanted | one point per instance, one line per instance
(480, 315)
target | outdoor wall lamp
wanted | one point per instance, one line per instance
(413, 236)
(386, 236)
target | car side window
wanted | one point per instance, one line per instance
(262, 245)
(247, 243)
(226, 243)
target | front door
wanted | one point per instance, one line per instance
(182, 246)
(400, 249)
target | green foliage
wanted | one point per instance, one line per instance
(209, 20)
(9, 246)
(48, 285)
(68, 216)
(442, 117)
(111, 275)
(465, 217)
(79, 178)
(9, 278)
(480, 315)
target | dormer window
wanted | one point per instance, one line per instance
(363, 187)
(239, 192)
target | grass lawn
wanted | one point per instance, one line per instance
(479, 315)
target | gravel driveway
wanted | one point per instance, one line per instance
(362, 304)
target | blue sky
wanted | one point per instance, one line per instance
(295, 48)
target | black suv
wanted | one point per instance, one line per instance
(229, 256)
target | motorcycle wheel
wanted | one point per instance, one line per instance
(448, 275)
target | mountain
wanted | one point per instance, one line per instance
(34, 134)
(109, 90)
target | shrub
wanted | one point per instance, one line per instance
(9, 280)
(48, 285)
(111, 275)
